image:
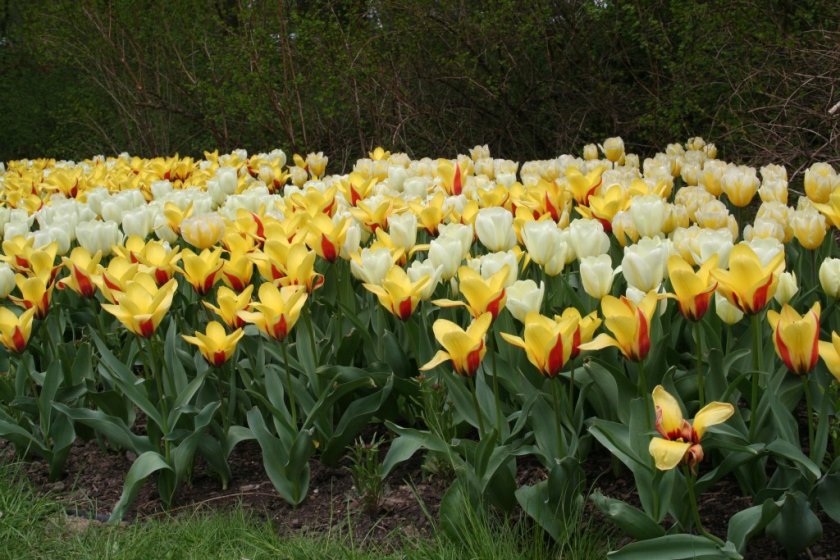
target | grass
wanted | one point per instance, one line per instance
(35, 526)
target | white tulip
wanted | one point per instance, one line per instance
(494, 227)
(644, 263)
(524, 296)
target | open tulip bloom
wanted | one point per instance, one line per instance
(465, 349)
(796, 337)
(748, 284)
(680, 441)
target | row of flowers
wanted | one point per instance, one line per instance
(231, 241)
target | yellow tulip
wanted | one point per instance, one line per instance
(237, 271)
(796, 337)
(35, 292)
(142, 305)
(215, 345)
(373, 217)
(15, 330)
(548, 343)
(277, 311)
(483, 296)
(113, 279)
(830, 210)
(326, 237)
(453, 176)
(748, 285)
(174, 215)
(83, 268)
(583, 186)
(356, 187)
(299, 269)
(398, 294)
(603, 207)
(202, 270)
(230, 304)
(465, 349)
(692, 290)
(680, 441)
(158, 260)
(629, 323)
(430, 214)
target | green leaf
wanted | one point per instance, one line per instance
(409, 442)
(535, 502)
(675, 547)
(631, 520)
(796, 526)
(749, 522)
(782, 448)
(111, 427)
(145, 464)
(616, 438)
(828, 494)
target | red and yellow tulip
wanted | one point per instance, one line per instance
(548, 343)
(483, 296)
(680, 441)
(277, 311)
(142, 305)
(629, 323)
(748, 284)
(215, 344)
(15, 329)
(465, 349)
(796, 337)
(692, 290)
(398, 294)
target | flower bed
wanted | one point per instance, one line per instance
(482, 312)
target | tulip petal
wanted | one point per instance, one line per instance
(669, 418)
(711, 414)
(436, 360)
(667, 454)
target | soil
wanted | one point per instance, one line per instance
(94, 477)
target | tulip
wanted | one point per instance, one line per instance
(277, 310)
(138, 221)
(796, 337)
(142, 305)
(692, 290)
(371, 265)
(748, 284)
(613, 149)
(202, 232)
(583, 186)
(820, 181)
(596, 275)
(786, 288)
(403, 230)
(590, 152)
(727, 312)
(740, 183)
(36, 293)
(453, 176)
(445, 253)
(644, 263)
(419, 269)
(159, 260)
(113, 279)
(215, 345)
(548, 343)
(809, 227)
(545, 245)
(524, 296)
(483, 296)
(680, 441)
(604, 206)
(831, 209)
(491, 263)
(588, 238)
(356, 187)
(83, 268)
(648, 213)
(712, 242)
(629, 323)
(830, 277)
(7, 280)
(465, 349)
(494, 228)
(230, 304)
(398, 293)
(202, 270)
(300, 269)
(15, 330)
(325, 236)
(830, 353)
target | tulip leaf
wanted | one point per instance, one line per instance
(616, 438)
(828, 494)
(408, 442)
(144, 465)
(675, 547)
(782, 448)
(749, 522)
(112, 427)
(633, 521)
(796, 527)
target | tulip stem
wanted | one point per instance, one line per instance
(558, 413)
(496, 396)
(228, 418)
(695, 511)
(809, 411)
(471, 382)
(701, 381)
(756, 363)
(289, 389)
(643, 392)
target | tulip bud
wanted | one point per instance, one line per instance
(740, 184)
(524, 296)
(446, 252)
(727, 312)
(137, 222)
(494, 228)
(820, 181)
(830, 277)
(613, 148)
(648, 213)
(403, 230)
(371, 266)
(596, 275)
(542, 240)
(809, 227)
(786, 288)
(590, 152)
(710, 178)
